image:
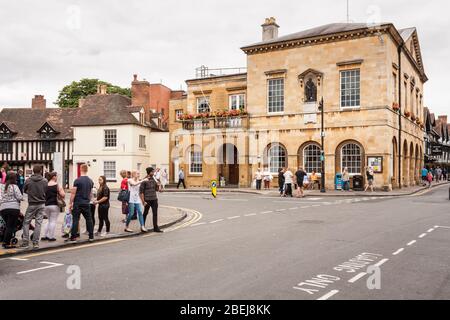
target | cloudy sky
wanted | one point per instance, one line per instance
(47, 44)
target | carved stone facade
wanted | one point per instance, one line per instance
(354, 68)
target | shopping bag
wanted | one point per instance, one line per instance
(67, 223)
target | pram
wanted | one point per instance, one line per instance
(19, 226)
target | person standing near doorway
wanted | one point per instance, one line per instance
(345, 180)
(80, 198)
(148, 193)
(258, 178)
(181, 178)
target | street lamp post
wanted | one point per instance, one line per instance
(322, 153)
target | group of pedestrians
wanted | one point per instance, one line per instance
(436, 174)
(265, 177)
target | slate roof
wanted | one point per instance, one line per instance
(25, 122)
(101, 110)
(327, 29)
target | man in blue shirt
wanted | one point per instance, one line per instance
(80, 198)
(181, 179)
(424, 176)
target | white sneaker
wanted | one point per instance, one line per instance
(143, 229)
(86, 233)
(104, 234)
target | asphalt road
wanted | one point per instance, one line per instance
(255, 247)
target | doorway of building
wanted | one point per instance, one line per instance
(229, 164)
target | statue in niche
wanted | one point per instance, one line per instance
(310, 91)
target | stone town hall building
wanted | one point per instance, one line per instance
(370, 77)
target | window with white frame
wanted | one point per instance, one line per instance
(276, 157)
(142, 144)
(109, 170)
(195, 161)
(394, 88)
(350, 89)
(237, 102)
(111, 138)
(275, 95)
(203, 104)
(311, 158)
(351, 158)
(178, 114)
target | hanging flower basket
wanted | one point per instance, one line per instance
(407, 114)
(395, 106)
(418, 121)
(413, 117)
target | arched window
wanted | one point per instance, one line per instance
(195, 160)
(311, 158)
(276, 157)
(351, 158)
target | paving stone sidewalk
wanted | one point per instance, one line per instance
(166, 216)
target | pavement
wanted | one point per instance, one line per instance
(167, 216)
(329, 193)
(253, 246)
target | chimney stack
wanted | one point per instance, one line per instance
(102, 89)
(38, 102)
(270, 29)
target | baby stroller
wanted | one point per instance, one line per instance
(19, 226)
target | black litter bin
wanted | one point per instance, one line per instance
(358, 183)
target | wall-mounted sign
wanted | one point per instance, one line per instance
(436, 150)
(376, 163)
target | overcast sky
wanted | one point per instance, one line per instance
(47, 44)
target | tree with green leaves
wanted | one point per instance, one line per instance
(70, 94)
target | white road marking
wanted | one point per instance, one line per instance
(50, 265)
(280, 210)
(442, 227)
(305, 207)
(398, 251)
(431, 230)
(329, 295)
(316, 205)
(250, 215)
(381, 262)
(412, 242)
(264, 212)
(423, 235)
(215, 221)
(198, 224)
(357, 277)
(295, 208)
(315, 199)
(18, 259)
(236, 217)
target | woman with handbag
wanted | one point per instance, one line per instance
(54, 204)
(103, 207)
(124, 194)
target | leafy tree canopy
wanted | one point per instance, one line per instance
(70, 94)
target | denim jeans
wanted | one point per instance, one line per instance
(131, 207)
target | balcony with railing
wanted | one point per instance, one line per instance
(230, 120)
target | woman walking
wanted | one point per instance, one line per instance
(135, 201)
(288, 181)
(52, 209)
(164, 179)
(10, 207)
(370, 179)
(103, 207)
